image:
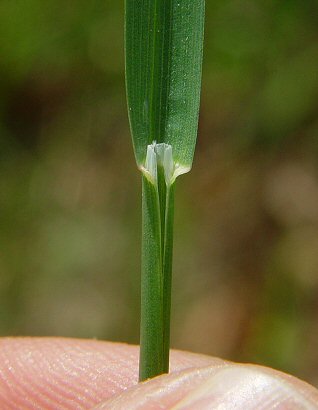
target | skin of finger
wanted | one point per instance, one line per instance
(51, 373)
(221, 387)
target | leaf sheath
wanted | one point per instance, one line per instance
(157, 237)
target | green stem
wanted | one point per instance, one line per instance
(157, 239)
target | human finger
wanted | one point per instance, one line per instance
(61, 373)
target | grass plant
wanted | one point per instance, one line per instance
(163, 47)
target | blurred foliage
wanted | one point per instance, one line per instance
(246, 260)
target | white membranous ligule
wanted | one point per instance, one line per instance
(161, 155)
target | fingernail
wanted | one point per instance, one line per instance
(224, 387)
(242, 388)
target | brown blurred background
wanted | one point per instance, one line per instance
(246, 234)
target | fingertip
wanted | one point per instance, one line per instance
(46, 372)
(51, 373)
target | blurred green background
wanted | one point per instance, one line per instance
(246, 246)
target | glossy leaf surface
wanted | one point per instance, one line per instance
(163, 74)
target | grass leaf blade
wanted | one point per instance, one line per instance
(163, 74)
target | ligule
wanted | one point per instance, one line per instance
(160, 156)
